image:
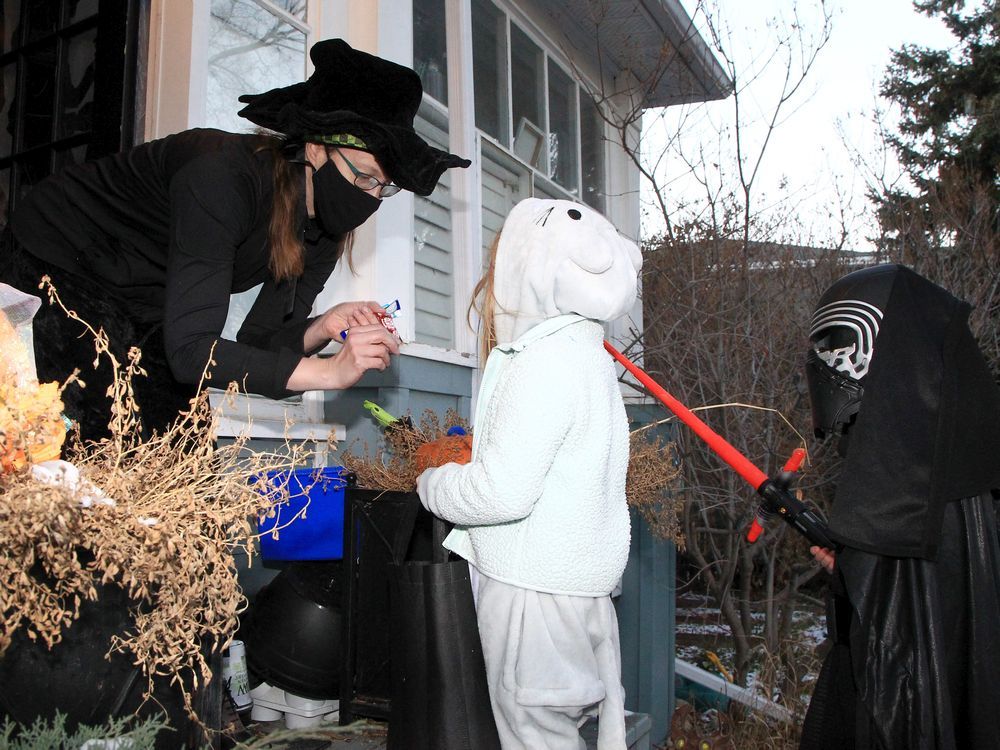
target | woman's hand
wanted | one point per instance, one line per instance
(339, 318)
(366, 347)
(826, 558)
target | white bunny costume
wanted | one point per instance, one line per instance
(540, 509)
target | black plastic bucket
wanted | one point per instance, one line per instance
(294, 631)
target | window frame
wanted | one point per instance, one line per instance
(552, 56)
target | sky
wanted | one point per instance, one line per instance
(809, 167)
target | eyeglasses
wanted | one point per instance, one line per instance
(366, 181)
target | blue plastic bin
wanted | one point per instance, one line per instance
(317, 535)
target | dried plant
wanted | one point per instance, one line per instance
(159, 517)
(653, 466)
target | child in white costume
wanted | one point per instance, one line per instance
(540, 510)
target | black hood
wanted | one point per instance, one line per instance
(928, 428)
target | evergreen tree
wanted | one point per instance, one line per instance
(946, 222)
(950, 99)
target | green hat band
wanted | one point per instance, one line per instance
(338, 139)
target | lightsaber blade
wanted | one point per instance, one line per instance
(722, 447)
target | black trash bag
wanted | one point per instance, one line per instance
(440, 696)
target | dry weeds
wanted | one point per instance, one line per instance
(392, 466)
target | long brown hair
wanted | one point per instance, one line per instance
(484, 302)
(286, 260)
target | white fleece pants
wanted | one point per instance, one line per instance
(551, 661)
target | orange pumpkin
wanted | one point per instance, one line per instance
(448, 449)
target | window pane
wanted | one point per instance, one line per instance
(249, 51)
(434, 278)
(32, 169)
(296, 8)
(592, 152)
(489, 63)
(39, 96)
(10, 17)
(7, 115)
(80, 10)
(77, 101)
(43, 18)
(526, 70)
(430, 58)
(562, 128)
(76, 155)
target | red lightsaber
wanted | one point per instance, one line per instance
(775, 494)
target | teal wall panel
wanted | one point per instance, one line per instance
(647, 611)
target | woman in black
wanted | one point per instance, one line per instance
(151, 243)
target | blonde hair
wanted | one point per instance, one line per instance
(484, 302)
(287, 256)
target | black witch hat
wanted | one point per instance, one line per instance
(352, 92)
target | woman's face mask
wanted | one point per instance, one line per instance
(340, 206)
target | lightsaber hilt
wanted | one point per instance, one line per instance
(796, 513)
(783, 480)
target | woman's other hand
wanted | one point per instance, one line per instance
(826, 558)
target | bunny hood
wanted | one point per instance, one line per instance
(557, 257)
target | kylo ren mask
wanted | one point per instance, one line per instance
(842, 333)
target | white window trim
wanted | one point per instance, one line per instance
(466, 184)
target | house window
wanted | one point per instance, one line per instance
(430, 58)
(433, 252)
(542, 136)
(554, 126)
(433, 256)
(489, 62)
(67, 79)
(563, 148)
(253, 46)
(527, 72)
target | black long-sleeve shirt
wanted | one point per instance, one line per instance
(174, 227)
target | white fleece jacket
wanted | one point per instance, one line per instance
(542, 504)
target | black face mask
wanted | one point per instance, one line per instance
(340, 206)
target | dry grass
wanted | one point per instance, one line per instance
(787, 678)
(652, 468)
